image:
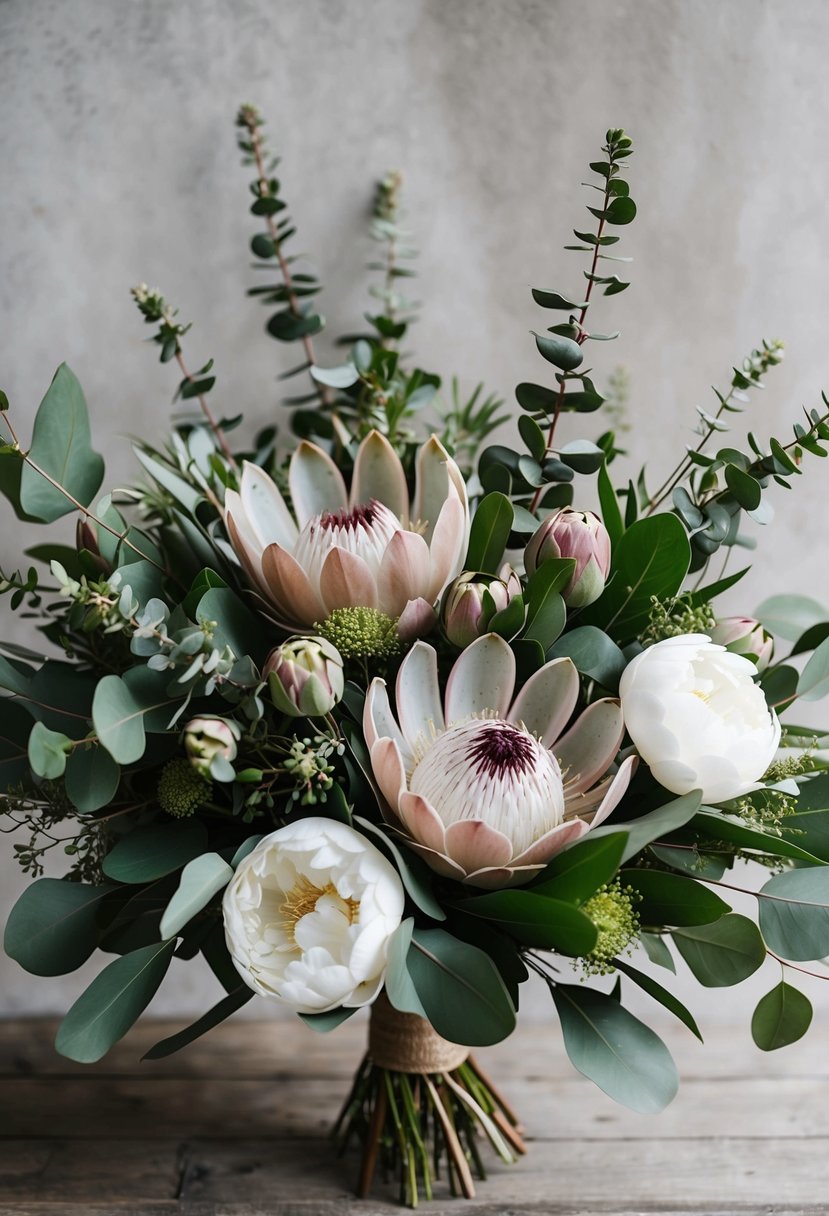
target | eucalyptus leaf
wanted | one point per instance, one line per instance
(536, 920)
(782, 1017)
(150, 852)
(220, 1011)
(460, 988)
(53, 927)
(563, 353)
(490, 531)
(794, 913)
(201, 879)
(723, 953)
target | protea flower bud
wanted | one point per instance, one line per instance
(305, 677)
(577, 534)
(210, 744)
(86, 540)
(744, 635)
(471, 601)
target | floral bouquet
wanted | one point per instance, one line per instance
(393, 721)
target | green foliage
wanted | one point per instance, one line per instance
(112, 1003)
(723, 953)
(794, 913)
(782, 1017)
(220, 1011)
(53, 927)
(201, 879)
(459, 988)
(668, 899)
(61, 454)
(615, 1050)
(150, 852)
(536, 920)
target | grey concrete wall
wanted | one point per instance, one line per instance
(119, 164)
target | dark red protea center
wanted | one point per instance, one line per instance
(500, 749)
(364, 516)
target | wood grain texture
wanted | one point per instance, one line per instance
(235, 1126)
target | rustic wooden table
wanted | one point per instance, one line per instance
(235, 1126)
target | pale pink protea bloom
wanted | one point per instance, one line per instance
(484, 785)
(367, 549)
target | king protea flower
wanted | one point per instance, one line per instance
(367, 549)
(484, 785)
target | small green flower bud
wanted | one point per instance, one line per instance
(305, 677)
(181, 790)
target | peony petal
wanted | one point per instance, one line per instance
(547, 700)
(448, 546)
(421, 820)
(379, 474)
(266, 509)
(405, 572)
(482, 679)
(290, 587)
(418, 695)
(346, 581)
(590, 745)
(552, 842)
(473, 844)
(379, 722)
(417, 619)
(315, 482)
(387, 763)
(437, 478)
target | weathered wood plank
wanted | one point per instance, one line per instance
(75, 1170)
(279, 1048)
(166, 1108)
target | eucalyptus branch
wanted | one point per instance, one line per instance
(251, 121)
(754, 366)
(85, 511)
(156, 311)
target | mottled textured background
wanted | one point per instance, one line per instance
(119, 164)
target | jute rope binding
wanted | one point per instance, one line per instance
(404, 1042)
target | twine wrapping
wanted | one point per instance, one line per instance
(404, 1042)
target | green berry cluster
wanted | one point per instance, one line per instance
(181, 790)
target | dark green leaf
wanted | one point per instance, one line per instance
(593, 653)
(723, 953)
(611, 511)
(92, 778)
(157, 849)
(535, 398)
(578, 871)
(112, 1003)
(551, 299)
(621, 210)
(615, 1050)
(660, 994)
(670, 899)
(52, 929)
(794, 913)
(782, 1017)
(536, 920)
(460, 988)
(640, 832)
(742, 485)
(563, 353)
(61, 446)
(489, 533)
(220, 1011)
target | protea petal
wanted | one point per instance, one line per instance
(379, 474)
(418, 695)
(498, 878)
(404, 573)
(437, 478)
(436, 860)
(379, 721)
(588, 748)
(552, 842)
(448, 546)
(482, 679)
(345, 579)
(421, 819)
(547, 700)
(315, 482)
(473, 844)
(387, 763)
(245, 544)
(290, 587)
(265, 508)
(606, 796)
(416, 619)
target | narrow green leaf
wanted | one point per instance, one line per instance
(112, 1003)
(220, 1011)
(536, 920)
(578, 871)
(670, 899)
(201, 879)
(660, 994)
(490, 531)
(611, 511)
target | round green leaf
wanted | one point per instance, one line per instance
(724, 953)
(92, 778)
(53, 929)
(155, 850)
(47, 751)
(788, 616)
(563, 353)
(794, 913)
(118, 719)
(742, 485)
(621, 210)
(782, 1017)
(615, 1050)
(112, 1003)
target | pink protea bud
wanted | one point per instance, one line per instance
(580, 535)
(472, 600)
(744, 635)
(305, 677)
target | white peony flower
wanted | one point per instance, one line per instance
(697, 718)
(309, 913)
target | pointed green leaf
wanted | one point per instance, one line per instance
(61, 446)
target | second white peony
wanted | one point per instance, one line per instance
(697, 717)
(309, 913)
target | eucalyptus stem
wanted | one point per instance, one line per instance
(205, 408)
(248, 119)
